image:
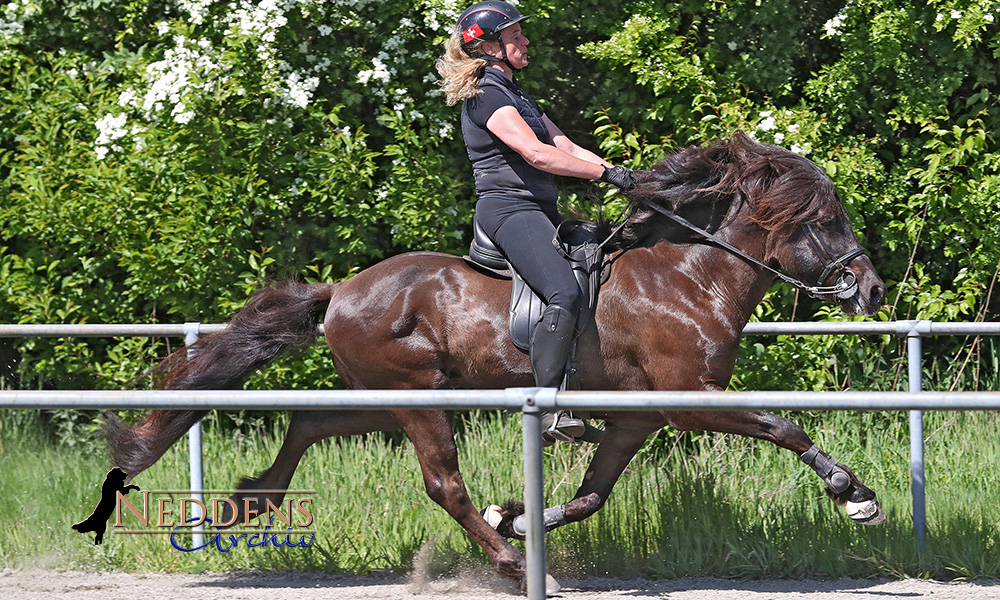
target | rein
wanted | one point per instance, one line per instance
(847, 284)
(575, 223)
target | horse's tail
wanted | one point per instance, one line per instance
(275, 320)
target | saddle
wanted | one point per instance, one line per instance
(576, 244)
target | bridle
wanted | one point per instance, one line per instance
(847, 282)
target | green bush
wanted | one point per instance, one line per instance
(159, 160)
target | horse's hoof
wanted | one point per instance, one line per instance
(552, 586)
(493, 515)
(502, 518)
(868, 512)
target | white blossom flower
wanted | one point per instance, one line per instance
(832, 26)
(127, 98)
(300, 89)
(768, 123)
(380, 72)
(445, 129)
(109, 128)
(198, 9)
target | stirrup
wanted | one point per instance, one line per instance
(561, 426)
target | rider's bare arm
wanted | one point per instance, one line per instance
(507, 124)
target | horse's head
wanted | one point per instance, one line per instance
(809, 231)
(785, 208)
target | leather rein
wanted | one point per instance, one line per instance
(847, 283)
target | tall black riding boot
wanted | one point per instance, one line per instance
(550, 347)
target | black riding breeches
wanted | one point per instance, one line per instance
(523, 231)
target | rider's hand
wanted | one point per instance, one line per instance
(619, 176)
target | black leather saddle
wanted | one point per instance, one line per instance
(581, 249)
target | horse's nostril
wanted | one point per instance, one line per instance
(876, 295)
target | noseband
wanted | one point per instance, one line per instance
(847, 283)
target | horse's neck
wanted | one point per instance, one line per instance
(704, 280)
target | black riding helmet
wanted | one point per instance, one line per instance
(484, 21)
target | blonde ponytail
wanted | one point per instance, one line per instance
(460, 73)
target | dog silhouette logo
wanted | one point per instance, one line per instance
(97, 521)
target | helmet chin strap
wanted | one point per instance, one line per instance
(503, 57)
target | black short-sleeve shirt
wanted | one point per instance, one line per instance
(499, 170)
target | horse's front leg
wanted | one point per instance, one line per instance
(860, 502)
(431, 434)
(624, 434)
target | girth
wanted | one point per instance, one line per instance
(586, 259)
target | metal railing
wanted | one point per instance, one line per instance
(533, 401)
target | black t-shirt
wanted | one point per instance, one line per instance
(500, 171)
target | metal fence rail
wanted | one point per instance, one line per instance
(532, 401)
(514, 399)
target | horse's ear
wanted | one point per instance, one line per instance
(740, 137)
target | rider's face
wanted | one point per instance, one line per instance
(517, 45)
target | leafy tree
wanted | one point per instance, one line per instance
(160, 159)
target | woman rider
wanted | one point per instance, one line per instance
(516, 151)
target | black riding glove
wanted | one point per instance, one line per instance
(619, 176)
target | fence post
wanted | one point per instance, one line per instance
(534, 495)
(194, 453)
(914, 351)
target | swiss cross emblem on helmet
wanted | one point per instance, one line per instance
(473, 32)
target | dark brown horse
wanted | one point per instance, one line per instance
(670, 318)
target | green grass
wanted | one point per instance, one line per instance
(697, 505)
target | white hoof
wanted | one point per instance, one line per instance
(493, 515)
(868, 512)
(551, 585)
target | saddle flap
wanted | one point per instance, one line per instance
(586, 259)
(576, 243)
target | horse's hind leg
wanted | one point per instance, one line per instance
(844, 487)
(305, 429)
(431, 434)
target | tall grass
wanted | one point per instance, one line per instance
(694, 505)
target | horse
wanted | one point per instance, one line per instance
(670, 317)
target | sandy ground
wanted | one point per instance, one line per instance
(49, 585)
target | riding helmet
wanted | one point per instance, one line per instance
(485, 20)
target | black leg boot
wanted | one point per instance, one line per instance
(550, 346)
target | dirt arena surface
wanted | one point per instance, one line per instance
(49, 585)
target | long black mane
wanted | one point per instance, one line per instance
(778, 187)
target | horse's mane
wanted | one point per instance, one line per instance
(778, 187)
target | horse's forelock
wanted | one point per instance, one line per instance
(801, 194)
